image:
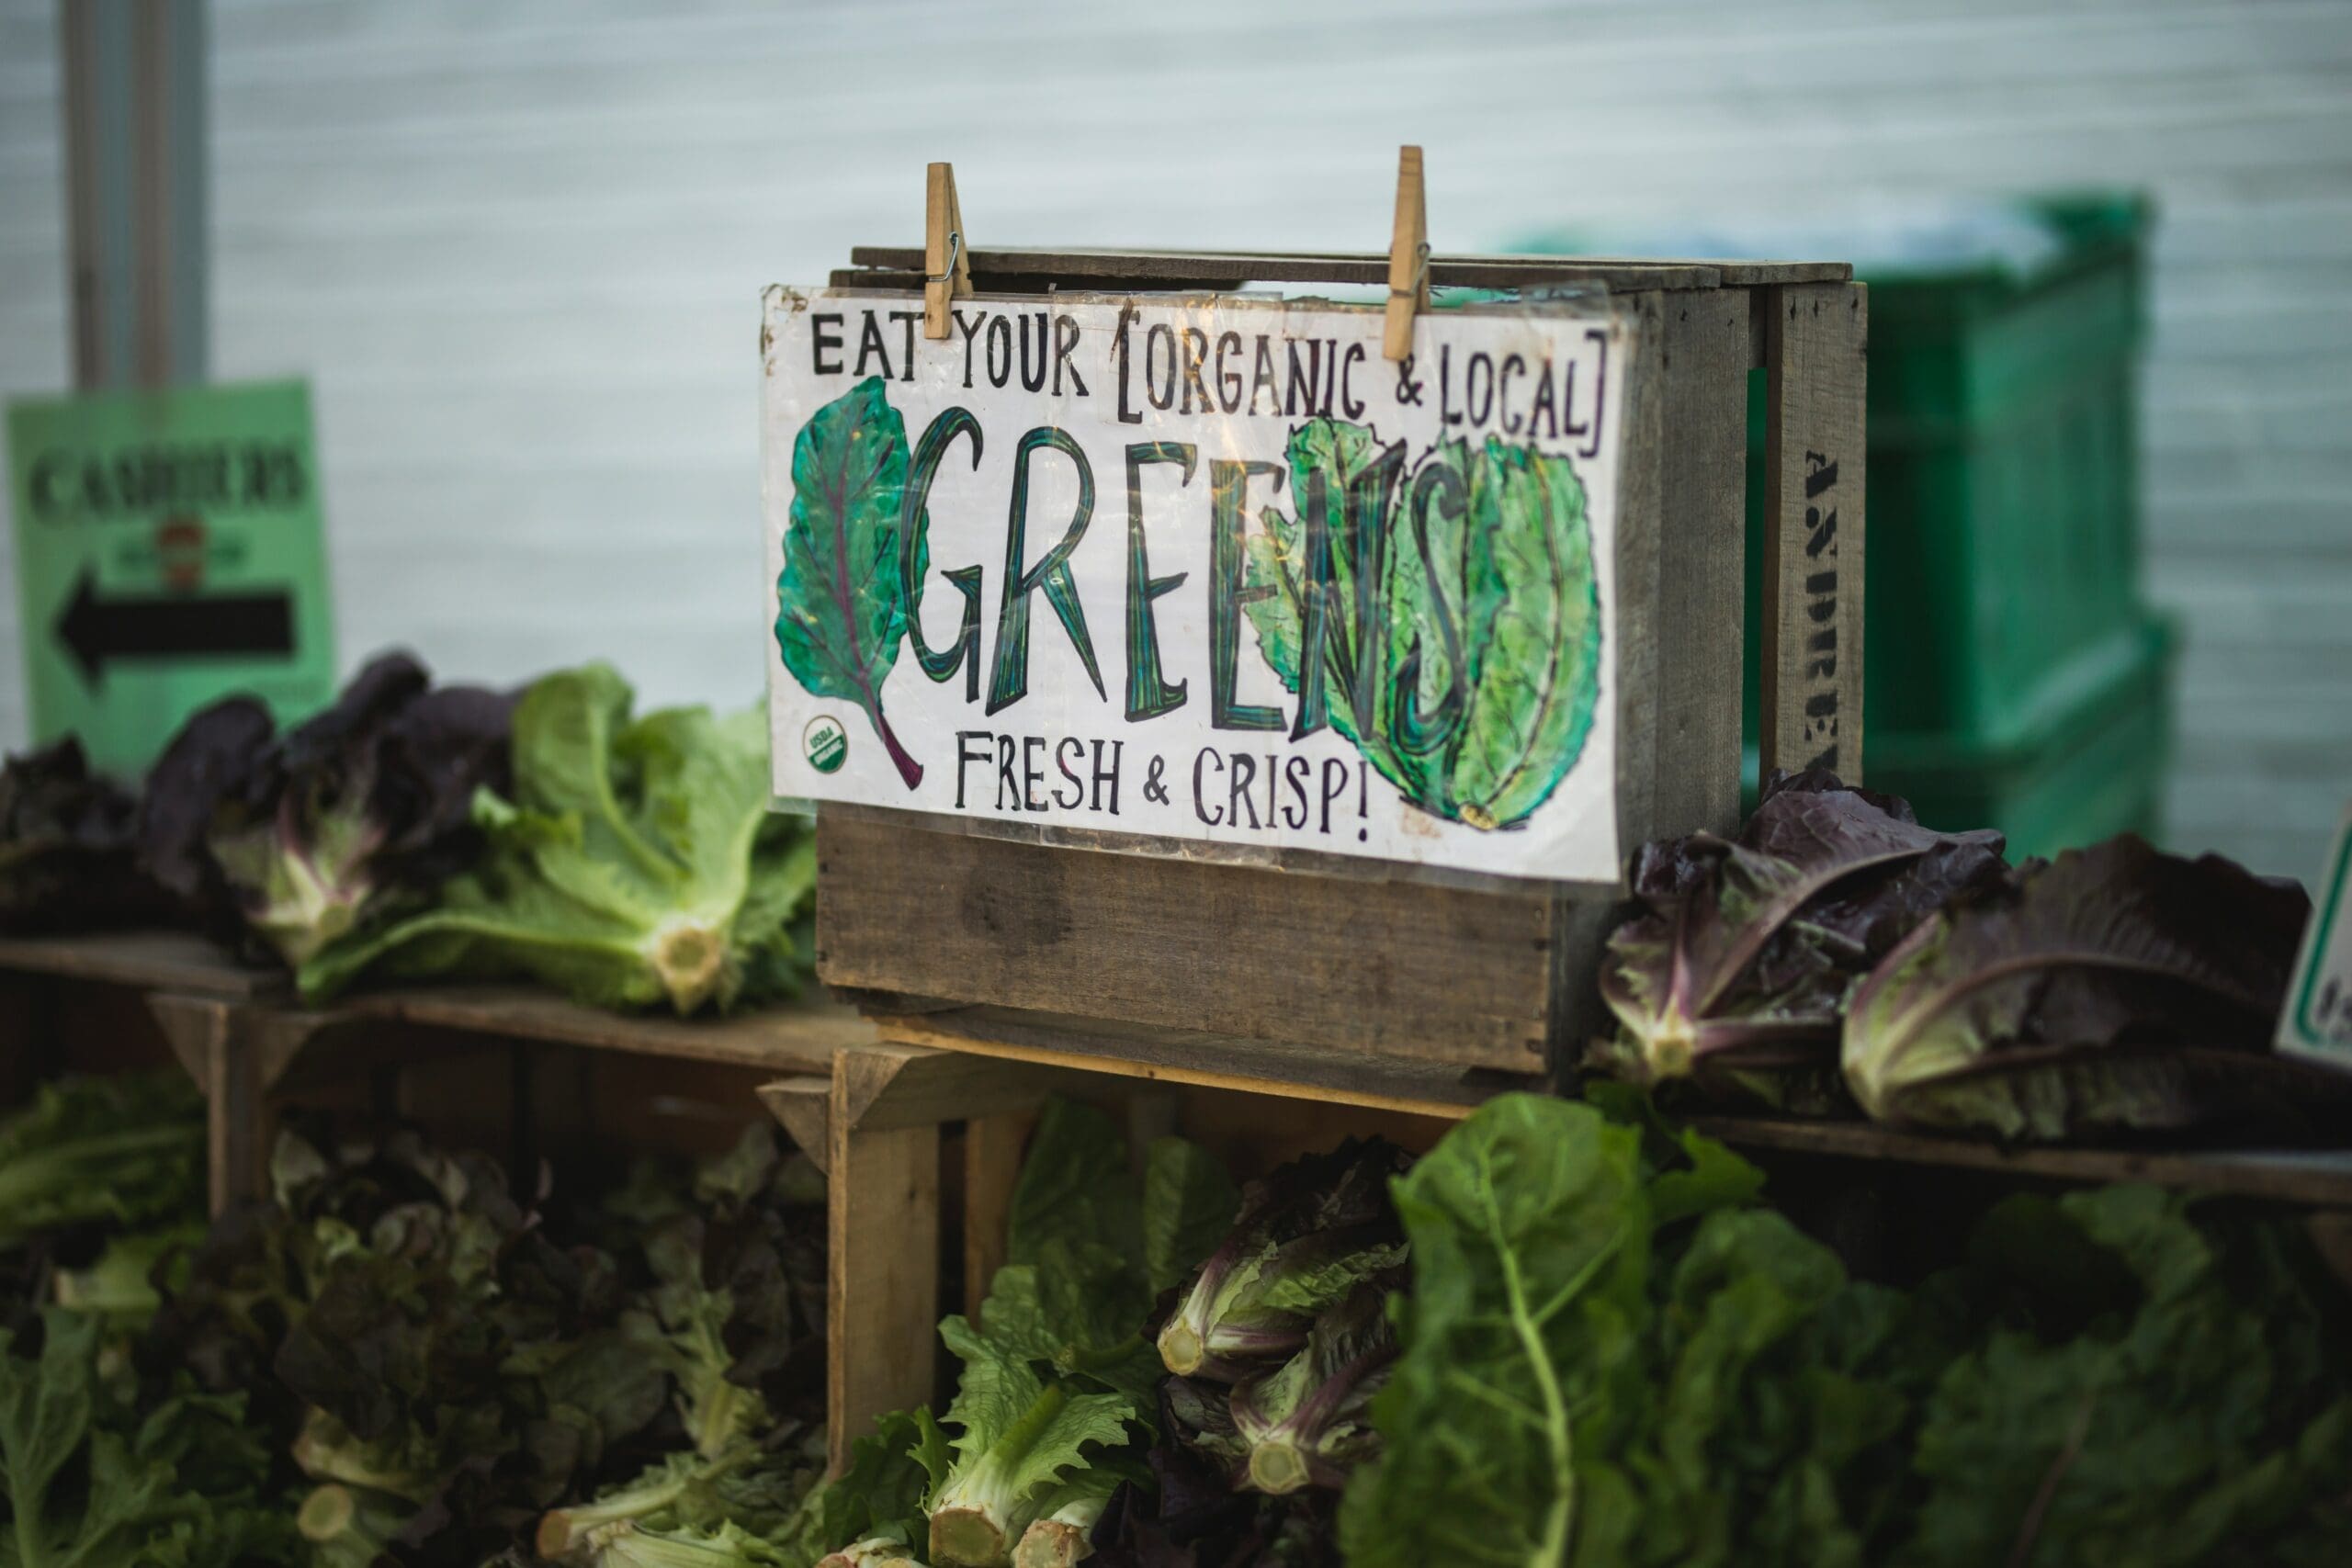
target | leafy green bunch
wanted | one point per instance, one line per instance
(120, 1151)
(418, 1347)
(638, 865)
(90, 1480)
(1057, 1399)
(1284, 1337)
(731, 1315)
(1455, 608)
(1613, 1356)
(1610, 1357)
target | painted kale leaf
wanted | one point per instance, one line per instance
(840, 604)
(1454, 607)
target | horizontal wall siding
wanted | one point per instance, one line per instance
(518, 249)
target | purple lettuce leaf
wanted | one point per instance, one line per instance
(346, 819)
(1306, 1236)
(1737, 971)
(68, 846)
(2083, 994)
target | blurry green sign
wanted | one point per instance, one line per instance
(169, 551)
(2318, 1019)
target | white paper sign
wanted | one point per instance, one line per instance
(2318, 1018)
(1201, 572)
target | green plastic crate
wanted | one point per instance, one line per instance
(2003, 494)
(2092, 767)
(2013, 677)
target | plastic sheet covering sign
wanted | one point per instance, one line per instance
(1216, 571)
(169, 551)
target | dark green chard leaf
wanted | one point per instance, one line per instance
(1189, 1203)
(1530, 1244)
(1606, 1361)
(840, 608)
(1455, 606)
(2202, 1419)
(2116, 986)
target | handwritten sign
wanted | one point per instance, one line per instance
(2318, 1019)
(1204, 572)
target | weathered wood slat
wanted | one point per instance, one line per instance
(993, 1147)
(1069, 267)
(1812, 636)
(1641, 542)
(882, 1274)
(802, 1035)
(384, 1026)
(1373, 966)
(1702, 359)
(2316, 1178)
(1083, 1046)
(162, 961)
(878, 281)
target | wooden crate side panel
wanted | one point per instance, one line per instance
(1640, 537)
(1815, 349)
(1353, 965)
(1702, 456)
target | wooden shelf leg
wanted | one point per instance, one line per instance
(209, 1038)
(1815, 350)
(882, 1274)
(238, 1121)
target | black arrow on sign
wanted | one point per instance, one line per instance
(96, 631)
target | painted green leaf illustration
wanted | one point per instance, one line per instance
(1455, 608)
(841, 607)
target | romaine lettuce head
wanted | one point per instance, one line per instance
(1307, 1235)
(2116, 986)
(637, 865)
(1737, 971)
(122, 1150)
(1305, 1422)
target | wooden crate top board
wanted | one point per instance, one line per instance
(157, 960)
(1023, 268)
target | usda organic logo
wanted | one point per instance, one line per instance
(826, 743)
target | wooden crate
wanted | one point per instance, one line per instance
(1374, 959)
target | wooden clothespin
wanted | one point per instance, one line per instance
(1409, 256)
(947, 258)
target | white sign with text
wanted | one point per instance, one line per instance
(1201, 570)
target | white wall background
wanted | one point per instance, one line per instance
(518, 249)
